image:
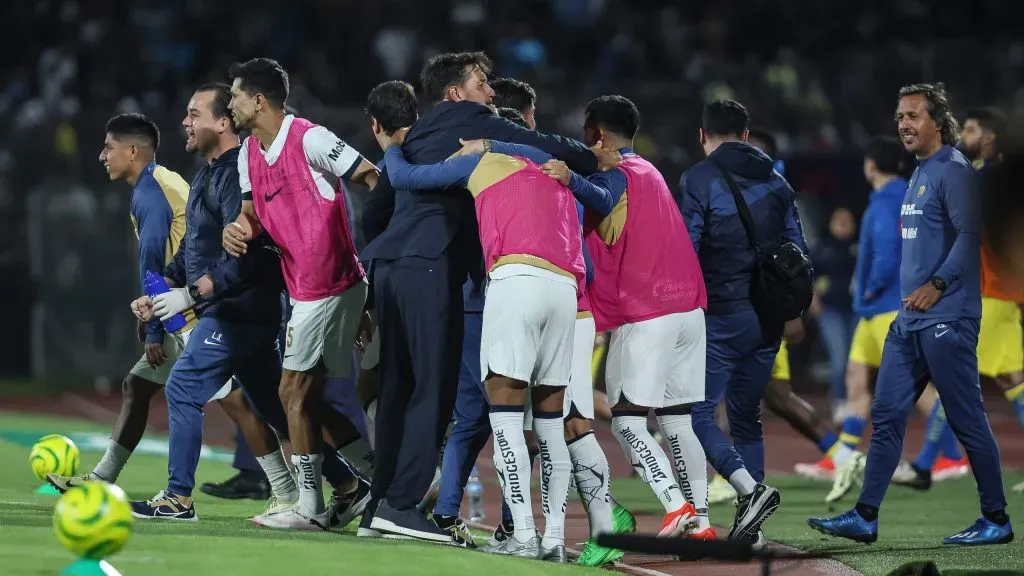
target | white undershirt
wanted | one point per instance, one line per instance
(325, 153)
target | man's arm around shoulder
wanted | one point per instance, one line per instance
(576, 155)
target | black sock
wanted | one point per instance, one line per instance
(999, 517)
(921, 473)
(444, 522)
(867, 512)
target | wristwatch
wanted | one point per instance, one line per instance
(938, 283)
(487, 145)
(193, 293)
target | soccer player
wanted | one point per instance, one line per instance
(239, 304)
(535, 265)
(741, 350)
(420, 308)
(1000, 343)
(648, 290)
(282, 169)
(158, 217)
(876, 294)
(517, 95)
(935, 333)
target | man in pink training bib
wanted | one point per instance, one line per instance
(649, 291)
(282, 170)
(529, 231)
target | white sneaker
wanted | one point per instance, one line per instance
(276, 505)
(849, 474)
(1019, 488)
(721, 492)
(292, 519)
(904, 473)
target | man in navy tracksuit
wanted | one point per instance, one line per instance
(935, 334)
(238, 301)
(740, 351)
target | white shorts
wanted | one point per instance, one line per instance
(581, 380)
(527, 332)
(174, 344)
(659, 362)
(325, 330)
(371, 356)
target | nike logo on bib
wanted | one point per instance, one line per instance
(270, 197)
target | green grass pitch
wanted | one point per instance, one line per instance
(223, 542)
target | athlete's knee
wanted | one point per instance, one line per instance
(236, 406)
(368, 386)
(295, 390)
(576, 426)
(777, 396)
(136, 390)
(856, 380)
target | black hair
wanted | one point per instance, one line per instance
(137, 126)
(262, 76)
(989, 119)
(219, 104)
(888, 154)
(770, 145)
(938, 109)
(514, 116)
(616, 114)
(450, 69)
(515, 94)
(393, 104)
(725, 118)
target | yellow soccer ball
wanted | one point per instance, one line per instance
(93, 520)
(54, 454)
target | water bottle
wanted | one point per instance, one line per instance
(155, 284)
(475, 490)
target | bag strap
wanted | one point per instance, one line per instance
(742, 209)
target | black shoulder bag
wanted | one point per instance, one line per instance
(780, 286)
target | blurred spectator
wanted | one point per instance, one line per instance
(834, 260)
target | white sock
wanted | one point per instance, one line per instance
(841, 453)
(647, 457)
(113, 461)
(512, 466)
(371, 421)
(592, 478)
(555, 472)
(743, 482)
(311, 492)
(281, 481)
(359, 455)
(688, 456)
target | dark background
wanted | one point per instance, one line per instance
(822, 76)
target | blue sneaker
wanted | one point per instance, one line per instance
(164, 506)
(849, 525)
(982, 533)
